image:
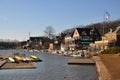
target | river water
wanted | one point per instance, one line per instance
(53, 67)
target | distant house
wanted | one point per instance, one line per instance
(64, 47)
(81, 38)
(113, 36)
(84, 36)
(51, 46)
(69, 41)
(55, 43)
(39, 42)
(110, 39)
(23, 44)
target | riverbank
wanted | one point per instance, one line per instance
(53, 67)
(108, 66)
(111, 61)
(102, 71)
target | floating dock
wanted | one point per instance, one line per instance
(21, 65)
(10, 61)
(2, 62)
(81, 61)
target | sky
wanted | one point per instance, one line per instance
(18, 18)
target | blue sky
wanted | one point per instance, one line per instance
(19, 17)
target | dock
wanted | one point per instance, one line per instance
(81, 61)
(2, 62)
(25, 62)
(21, 65)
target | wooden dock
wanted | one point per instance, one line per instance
(5, 63)
(2, 62)
(81, 61)
(21, 65)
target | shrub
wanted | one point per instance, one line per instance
(111, 51)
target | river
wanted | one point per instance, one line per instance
(53, 67)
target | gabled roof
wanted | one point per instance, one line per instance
(117, 30)
(69, 34)
(88, 31)
(23, 42)
(39, 38)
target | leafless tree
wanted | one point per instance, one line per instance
(49, 32)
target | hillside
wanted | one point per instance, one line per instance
(106, 25)
(99, 26)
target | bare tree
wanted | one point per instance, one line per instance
(50, 32)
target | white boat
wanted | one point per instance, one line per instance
(11, 59)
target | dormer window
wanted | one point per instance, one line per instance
(84, 33)
(91, 32)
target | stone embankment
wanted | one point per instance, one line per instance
(101, 69)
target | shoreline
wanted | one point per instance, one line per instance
(102, 71)
(100, 68)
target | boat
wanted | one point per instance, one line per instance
(34, 57)
(11, 59)
(18, 58)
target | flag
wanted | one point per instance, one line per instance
(107, 16)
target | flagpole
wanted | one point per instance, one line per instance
(105, 18)
(103, 24)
